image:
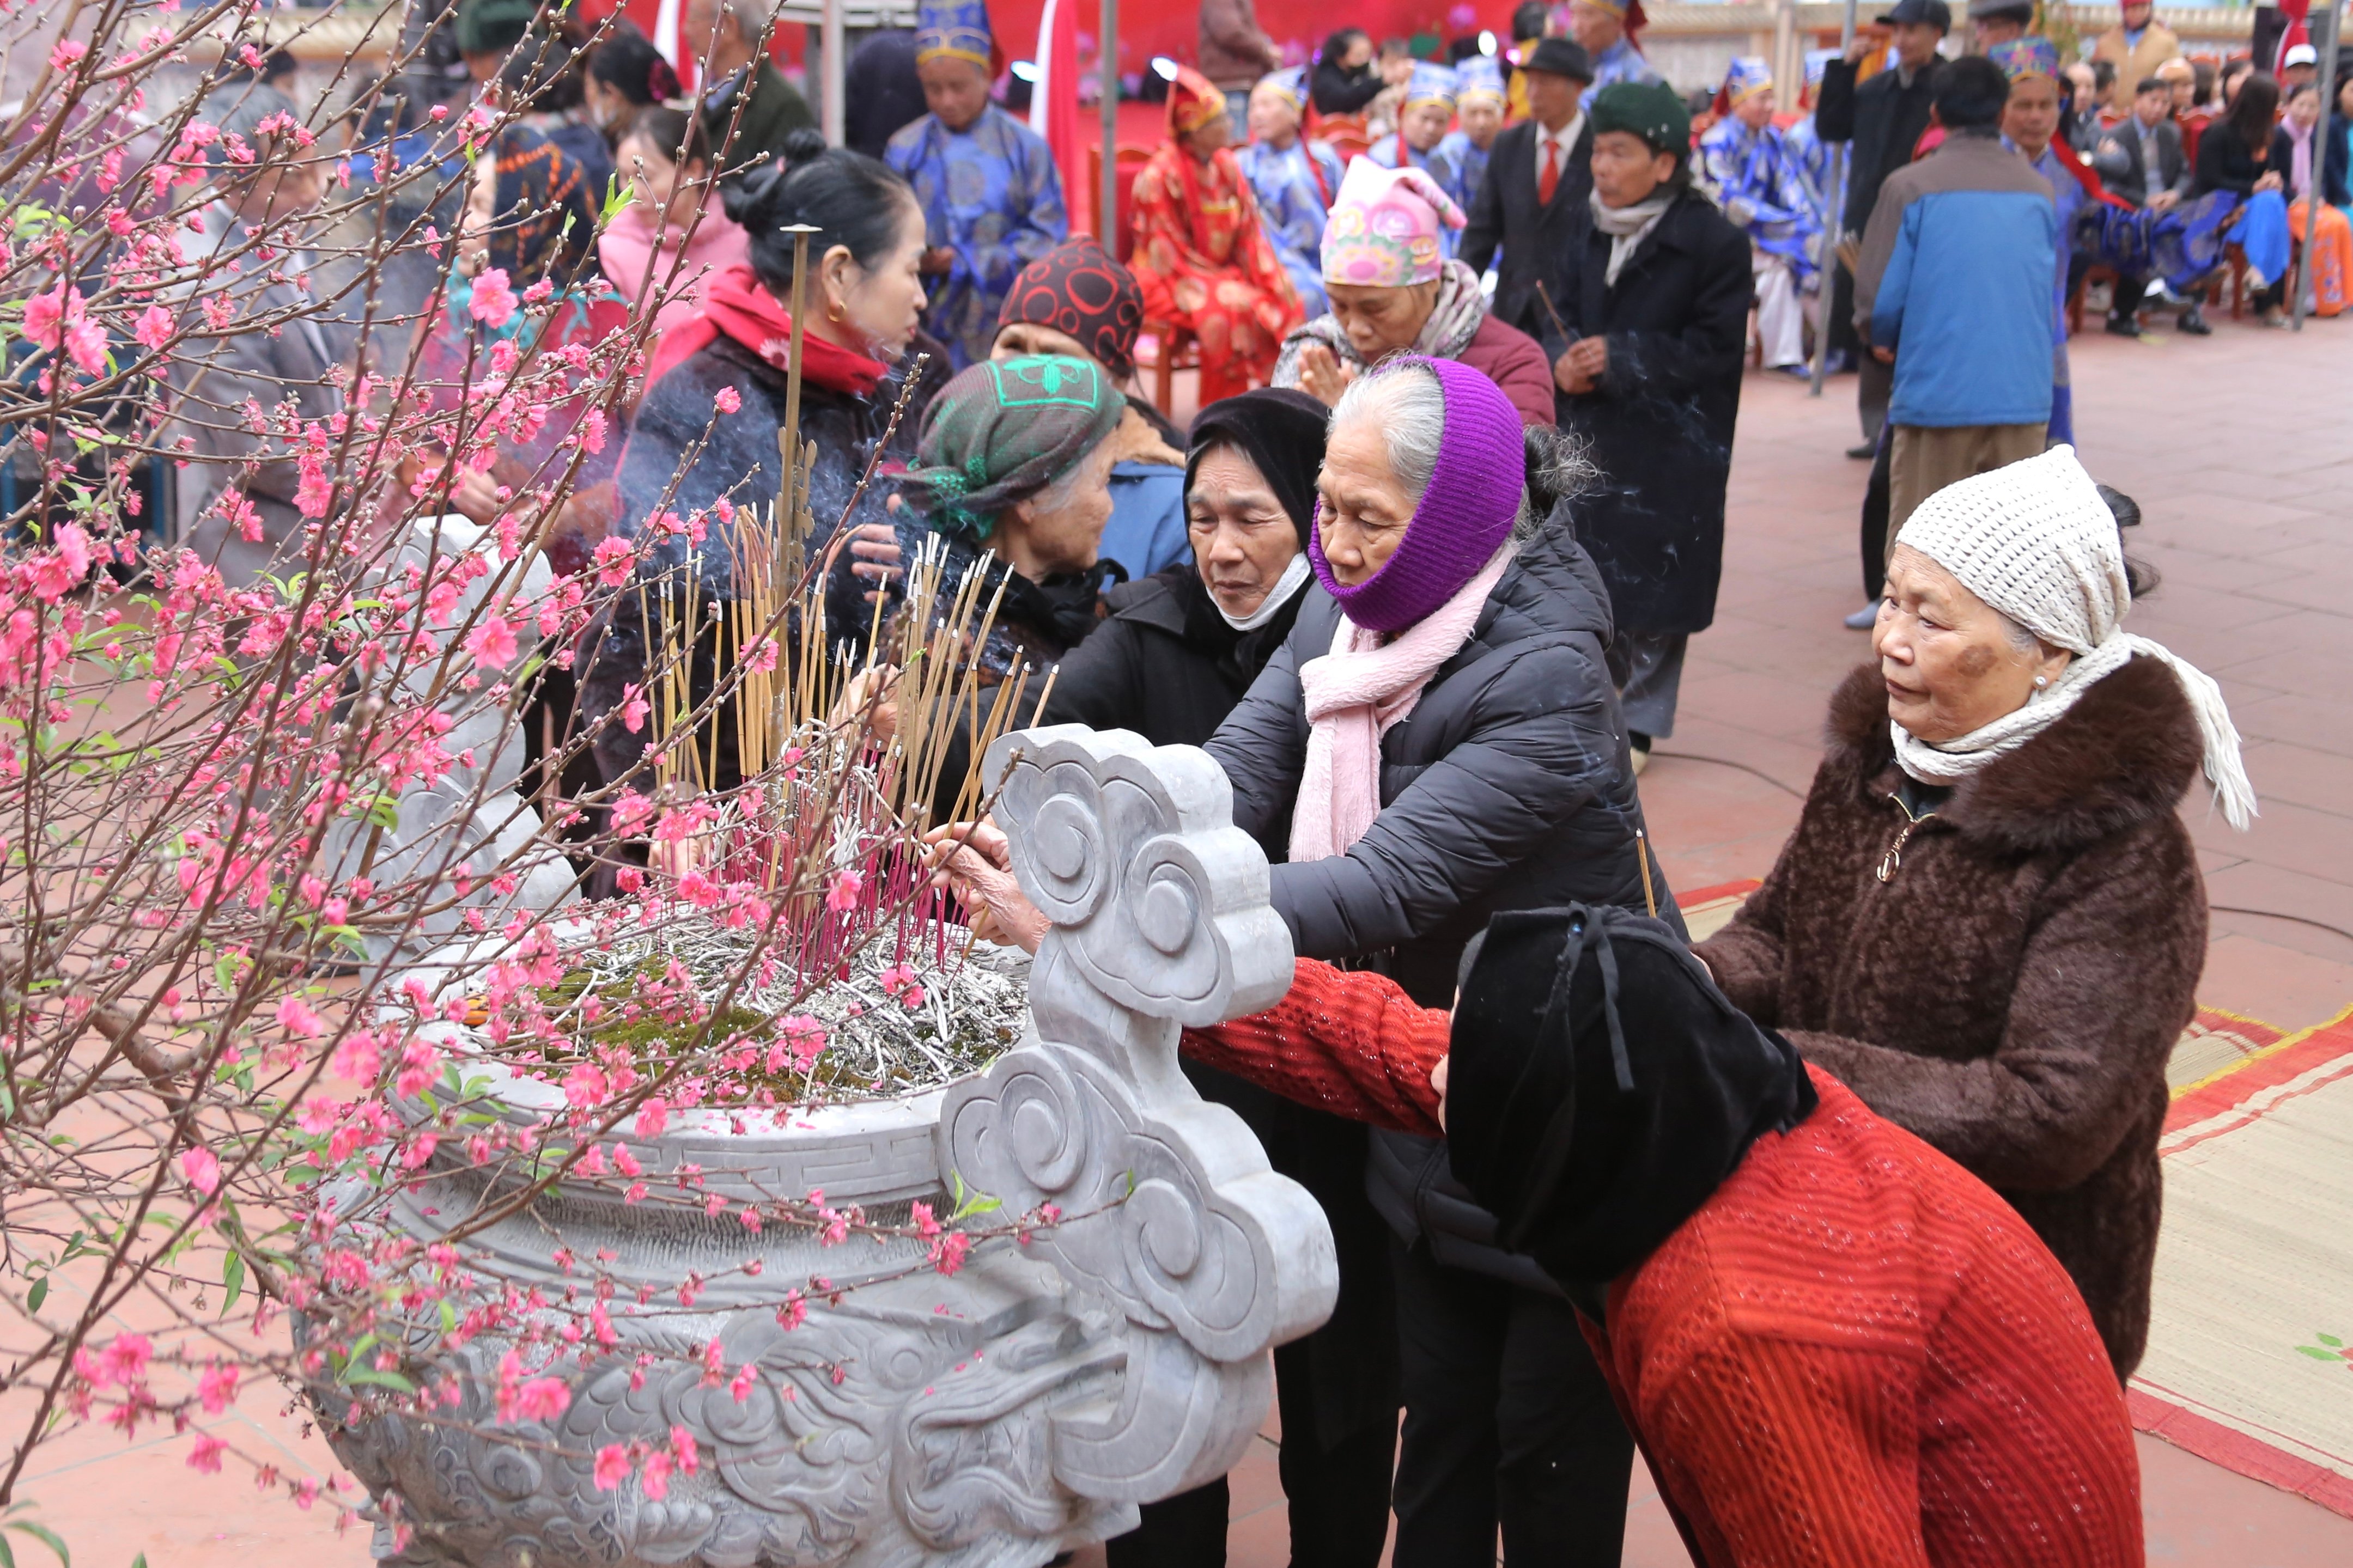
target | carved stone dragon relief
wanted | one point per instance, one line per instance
(1027, 1404)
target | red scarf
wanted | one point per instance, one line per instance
(735, 303)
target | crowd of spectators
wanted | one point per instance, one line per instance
(1422, 575)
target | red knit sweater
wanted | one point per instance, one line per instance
(1853, 1354)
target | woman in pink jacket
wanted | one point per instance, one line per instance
(672, 238)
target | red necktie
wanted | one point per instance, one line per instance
(1548, 178)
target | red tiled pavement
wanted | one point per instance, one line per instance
(2240, 452)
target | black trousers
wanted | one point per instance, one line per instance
(1338, 1497)
(1875, 504)
(2129, 297)
(1874, 389)
(1507, 1421)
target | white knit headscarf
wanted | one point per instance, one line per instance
(2036, 541)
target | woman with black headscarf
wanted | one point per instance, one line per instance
(1835, 1345)
(1178, 652)
(1181, 647)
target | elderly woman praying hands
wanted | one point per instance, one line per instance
(1393, 291)
(1989, 920)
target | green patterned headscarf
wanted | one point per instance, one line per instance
(1004, 430)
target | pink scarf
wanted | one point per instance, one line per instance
(2299, 139)
(1353, 694)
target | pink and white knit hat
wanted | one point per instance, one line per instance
(1383, 232)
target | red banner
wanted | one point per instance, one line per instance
(1173, 27)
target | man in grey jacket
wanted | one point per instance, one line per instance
(2142, 161)
(251, 278)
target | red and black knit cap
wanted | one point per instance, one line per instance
(1080, 291)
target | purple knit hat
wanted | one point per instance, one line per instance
(1464, 515)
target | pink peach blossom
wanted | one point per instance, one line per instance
(494, 303)
(202, 1167)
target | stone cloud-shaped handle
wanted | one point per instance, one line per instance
(1131, 850)
(1206, 1256)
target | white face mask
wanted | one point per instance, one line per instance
(1293, 577)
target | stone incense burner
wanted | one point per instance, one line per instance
(993, 1418)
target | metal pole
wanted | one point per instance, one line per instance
(832, 112)
(1787, 60)
(2313, 197)
(1833, 182)
(1107, 193)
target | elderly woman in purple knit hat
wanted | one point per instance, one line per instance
(1394, 291)
(1436, 740)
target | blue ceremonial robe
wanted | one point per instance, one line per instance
(1621, 61)
(1812, 157)
(1760, 188)
(2070, 194)
(1293, 209)
(992, 194)
(1469, 160)
(1439, 167)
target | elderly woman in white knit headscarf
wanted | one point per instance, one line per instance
(1989, 919)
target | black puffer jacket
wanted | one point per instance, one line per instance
(1509, 786)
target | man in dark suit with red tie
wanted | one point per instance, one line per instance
(1532, 205)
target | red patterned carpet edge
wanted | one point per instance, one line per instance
(2238, 1451)
(2282, 1068)
(2279, 1070)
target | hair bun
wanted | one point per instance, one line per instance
(802, 145)
(755, 200)
(1558, 469)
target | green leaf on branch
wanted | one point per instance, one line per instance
(46, 1536)
(232, 1281)
(379, 1378)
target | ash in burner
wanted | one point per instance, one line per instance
(899, 1021)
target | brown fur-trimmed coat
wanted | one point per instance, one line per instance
(2011, 992)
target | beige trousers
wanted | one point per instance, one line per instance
(1928, 457)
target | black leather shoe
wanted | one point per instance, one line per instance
(2193, 321)
(1865, 453)
(2121, 327)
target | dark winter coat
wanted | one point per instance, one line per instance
(1337, 90)
(2011, 992)
(1166, 665)
(1523, 239)
(741, 461)
(1037, 626)
(1508, 786)
(1884, 119)
(1660, 418)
